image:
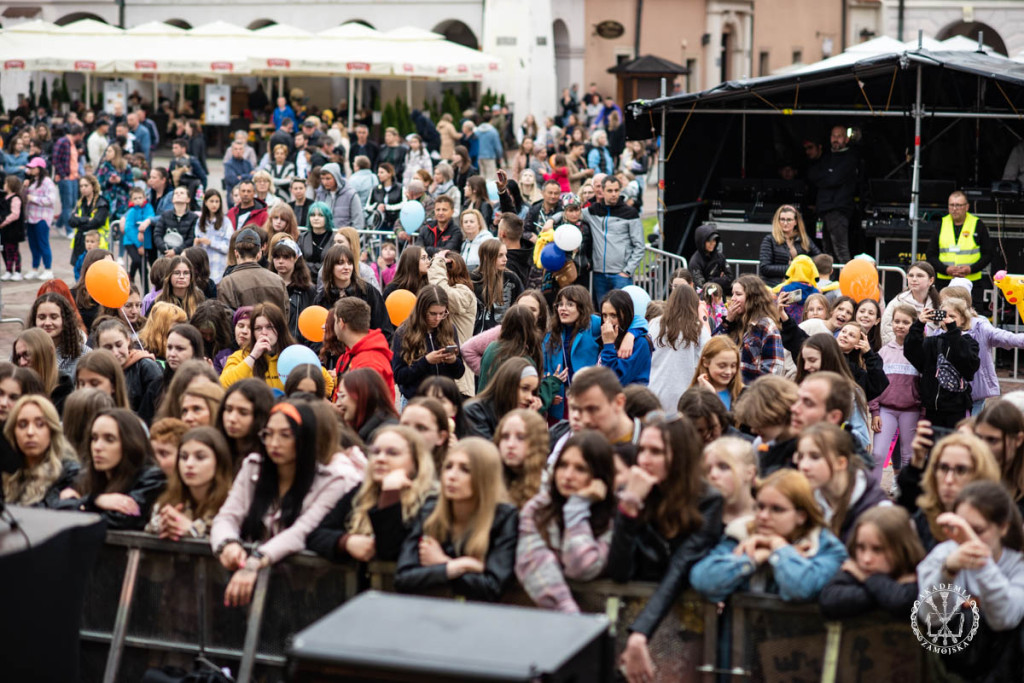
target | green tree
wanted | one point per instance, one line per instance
(65, 96)
(32, 94)
(465, 99)
(44, 98)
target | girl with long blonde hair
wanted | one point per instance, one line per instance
(33, 429)
(523, 443)
(371, 521)
(467, 544)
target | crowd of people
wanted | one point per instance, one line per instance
(518, 425)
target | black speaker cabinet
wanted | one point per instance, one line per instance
(385, 637)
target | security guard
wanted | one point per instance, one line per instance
(961, 247)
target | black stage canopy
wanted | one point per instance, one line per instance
(966, 109)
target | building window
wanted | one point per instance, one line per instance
(691, 76)
(762, 64)
(798, 56)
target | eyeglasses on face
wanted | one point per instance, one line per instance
(958, 471)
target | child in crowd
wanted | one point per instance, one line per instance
(559, 173)
(882, 570)
(869, 316)
(896, 410)
(136, 241)
(829, 289)
(92, 241)
(730, 465)
(12, 227)
(718, 369)
(386, 264)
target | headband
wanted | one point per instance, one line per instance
(289, 411)
(528, 371)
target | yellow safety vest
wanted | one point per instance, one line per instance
(962, 252)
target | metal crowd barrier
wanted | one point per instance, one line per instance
(153, 603)
(742, 266)
(654, 274)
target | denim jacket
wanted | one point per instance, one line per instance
(793, 575)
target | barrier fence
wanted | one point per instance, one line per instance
(153, 603)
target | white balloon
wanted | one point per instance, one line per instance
(568, 238)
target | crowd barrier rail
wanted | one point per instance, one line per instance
(153, 603)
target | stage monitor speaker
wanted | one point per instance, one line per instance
(45, 564)
(385, 637)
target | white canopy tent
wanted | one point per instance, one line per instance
(220, 48)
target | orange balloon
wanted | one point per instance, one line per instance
(859, 280)
(108, 284)
(399, 304)
(311, 323)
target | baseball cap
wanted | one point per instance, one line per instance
(248, 236)
(37, 162)
(570, 199)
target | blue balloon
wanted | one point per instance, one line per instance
(552, 258)
(294, 356)
(640, 299)
(492, 190)
(412, 215)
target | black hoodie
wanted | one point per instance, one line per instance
(707, 265)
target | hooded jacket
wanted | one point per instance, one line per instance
(705, 265)
(184, 225)
(618, 237)
(344, 201)
(372, 351)
(433, 241)
(941, 406)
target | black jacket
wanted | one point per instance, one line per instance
(706, 265)
(944, 408)
(391, 196)
(835, 176)
(408, 377)
(184, 225)
(639, 552)
(299, 299)
(499, 565)
(774, 258)
(845, 597)
(779, 456)
(871, 378)
(148, 485)
(389, 530)
(491, 316)
(378, 419)
(480, 419)
(86, 217)
(394, 156)
(144, 381)
(379, 319)
(430, 239)
(51, 499)
(314, 247)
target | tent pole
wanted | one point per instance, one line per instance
(915, 185)
(661, 164)
(743, 146)
(351, 101)
(280, 88)
(156, 91)
(88, 90)
(408, 92)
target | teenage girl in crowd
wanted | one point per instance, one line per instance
(48, 464)
(825, 455)
(565, 530)
(679, 337)
(467, 542)
(752, 322)
(920, 294)
(718, 369)
(523, 444)
(882, 570)
(371, 521)
(897, 409)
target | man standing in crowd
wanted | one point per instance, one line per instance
(441, 232)
(961, 247)
(284, 135)
(154, 134)
(247, 210)
(834, 177)
(364, 348)
(236, 168)
(248, 153)
(250, 283)
(363, 180)
(143, 141)
(491, 151)
(282, 112)
(363, 146)
(311, 129)
(618, 239)
(65, 172)
(520, 259)
(393, 152)
(597, 399)
(544, 210)
(96, 145)
(341, 197)
(828, 397)
(184, 167)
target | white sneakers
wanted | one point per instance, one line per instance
(17, 277)
(46, 275)
(12, 277)
(5, 277)
(38, 274)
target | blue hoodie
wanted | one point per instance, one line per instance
(586, 348)
(633, 370)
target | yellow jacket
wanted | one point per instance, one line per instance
(235, 369)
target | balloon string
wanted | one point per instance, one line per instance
(135, 335)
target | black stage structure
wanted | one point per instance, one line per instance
(724, 150)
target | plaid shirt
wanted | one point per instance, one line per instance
(40, 200)
(761, 352)
(62, 159)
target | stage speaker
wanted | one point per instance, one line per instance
(385, 637)
(45, 563)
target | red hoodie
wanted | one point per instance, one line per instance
(373, 352)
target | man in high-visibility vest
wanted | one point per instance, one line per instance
(961, 247)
